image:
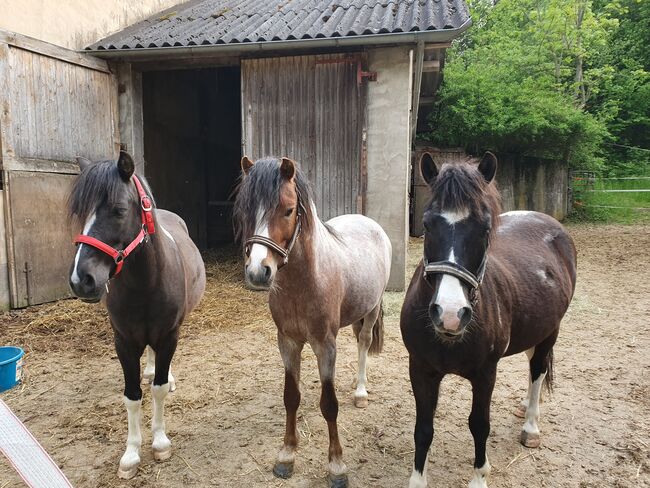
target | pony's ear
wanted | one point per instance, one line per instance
(287, 168)
(428, 168)
(125, 166)
(488, 166)
(83, 163)
(246, 164)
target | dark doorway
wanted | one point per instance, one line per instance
(192, 146)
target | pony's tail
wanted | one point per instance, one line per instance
(377, 343)
(548, 379)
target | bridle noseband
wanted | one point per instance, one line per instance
(271, 244)
(454, 269)
(148, 228)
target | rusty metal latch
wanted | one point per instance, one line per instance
(367, 75)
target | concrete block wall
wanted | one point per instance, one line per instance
(389, 152)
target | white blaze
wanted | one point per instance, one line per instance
(259, 252)
(451, 297)
(89, 224)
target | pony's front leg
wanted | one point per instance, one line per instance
(150, 370)
(329, 407)
(129, 357)
(290, 351)
(479, 423)
(161, 445)
(426, 387)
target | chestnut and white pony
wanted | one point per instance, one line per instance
(321, 276)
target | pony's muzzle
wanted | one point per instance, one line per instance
(85, 287)
(259, 277)
(447, 323)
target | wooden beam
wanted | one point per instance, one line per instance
(415, 104)
(11, 163)
(131, 121)
(427, 100)
(51, 50)
(436, 46)
(431, 66)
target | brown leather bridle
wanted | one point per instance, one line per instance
(271, 244)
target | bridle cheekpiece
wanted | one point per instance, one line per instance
(271, 244)
(148, 227)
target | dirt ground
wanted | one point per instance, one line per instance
(226, 418)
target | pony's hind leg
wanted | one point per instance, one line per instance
(329, 407)
(129, 356)
(520, 411)
(161, 445)
(364, 332)
(150, 370)
(290, 351)
(541, 365)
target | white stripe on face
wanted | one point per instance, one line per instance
(259, 252)
(89, 224)
(451, 297)
(455, 216)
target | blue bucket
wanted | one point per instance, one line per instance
(11, 366)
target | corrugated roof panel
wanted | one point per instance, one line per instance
(210, 22)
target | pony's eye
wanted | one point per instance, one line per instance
(288, 213)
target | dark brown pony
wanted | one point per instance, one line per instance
(141, 261)
(322, 276)
(489, 286)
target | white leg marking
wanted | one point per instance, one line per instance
(131, 457)
(365, 338)
(150, 368)
(161, 444)
(337, 467)
(532, 412)
(89, 224)
(286, 455)
(419, 480)
(480, 475)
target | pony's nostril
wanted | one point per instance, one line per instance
(88, 282)
(267, 272)
(435, 312)
(465, 315)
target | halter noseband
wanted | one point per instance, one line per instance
(148, 227)
(271, 244)
(460, 272)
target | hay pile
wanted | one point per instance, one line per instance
(71, 325)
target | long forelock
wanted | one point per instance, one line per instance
(99, 184)
(461, 187)
(259, 191)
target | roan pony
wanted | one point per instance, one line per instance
(322, 276)
(489, 286)
(142, 261)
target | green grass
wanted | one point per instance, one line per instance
(615, 207)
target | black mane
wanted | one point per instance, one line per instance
(261, 189)
(97, 185)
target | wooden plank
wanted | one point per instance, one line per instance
(12, 163)
(415, 101)
(52, 51)
(430, 66)
(9, 240)
(6, 135)
(41, 265)
(130, 129)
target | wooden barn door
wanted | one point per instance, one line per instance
(56, 105)
(311, 109)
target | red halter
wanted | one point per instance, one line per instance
(147, 228)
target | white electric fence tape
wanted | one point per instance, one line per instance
(27, 456)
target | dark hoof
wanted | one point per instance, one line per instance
(283, 470)
(338, 481)
(530, 440)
